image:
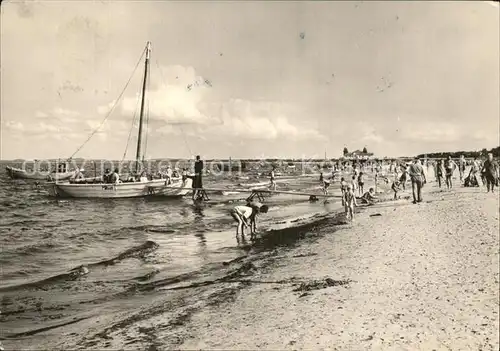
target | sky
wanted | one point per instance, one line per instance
(249, 79)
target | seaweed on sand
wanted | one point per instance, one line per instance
(320, 284)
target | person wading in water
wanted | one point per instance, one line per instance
(417, 176)
(197, 181)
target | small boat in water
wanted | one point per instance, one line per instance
(60, 174)
(139, 186)
(156, 187)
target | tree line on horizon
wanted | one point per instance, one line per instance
(455, 154)
(468, 154)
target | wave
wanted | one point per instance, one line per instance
(139, 251)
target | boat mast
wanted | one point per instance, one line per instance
(143, 99)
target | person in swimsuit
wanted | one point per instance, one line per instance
(361, 182)
(449, 169)
(461, 167)
(324, 183)
(474, 170)
(343, 185)
(396, 187)
(403, 177)
(272, 186)
(354, 184)
(245, 216)
(349, 200)
(439, 172)
(369, 197)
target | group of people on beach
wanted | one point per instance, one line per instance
(352, 187)
(481, 173)
(348, 190)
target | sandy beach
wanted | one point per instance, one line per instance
(401, 277)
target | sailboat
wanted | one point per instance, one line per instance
(61, 172)
(174, 187)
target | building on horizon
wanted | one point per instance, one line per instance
(359, 155)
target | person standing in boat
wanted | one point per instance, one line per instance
(198, 173)
(78, 174)
(106, 177)
(115, 177)
(168, 175)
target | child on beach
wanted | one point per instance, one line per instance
(439, 172)
(361, 182)
(324, 183)
(396, 187)
(343, 185)
(354, 184)
(369, 197)
(349, 201)
(449, 168)
(402, 179)
(272, 186)
(246, 216)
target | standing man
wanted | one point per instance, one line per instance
(449, 168)
(417, 176)
(461, 167)
(490, 171)
(198, 173)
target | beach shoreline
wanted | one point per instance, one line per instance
(403, 276)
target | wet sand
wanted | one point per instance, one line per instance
(402, 277)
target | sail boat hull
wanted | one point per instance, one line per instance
(121, 190)
(16, 173)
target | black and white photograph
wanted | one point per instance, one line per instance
(249, 175)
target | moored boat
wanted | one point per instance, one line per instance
(139, 186)
(156, 187)
(18, 173)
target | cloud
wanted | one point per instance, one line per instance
(175, 100)
(102, 110)
(60, 115)
(249, 120)
(35, 128)
(14, 126)
(367, 132)
(260, 120)
(182, 97)
(432, 131)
